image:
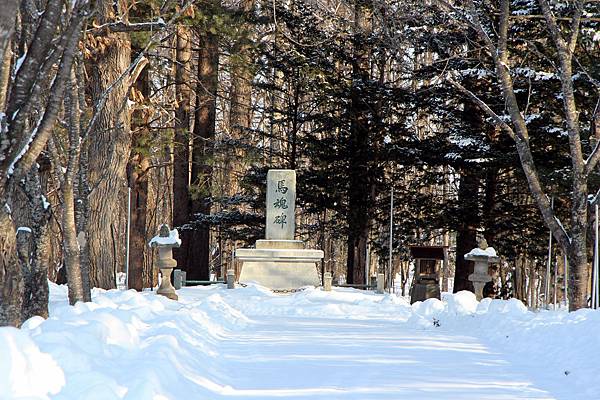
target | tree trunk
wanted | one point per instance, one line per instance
(11, 276)
(137, 175)
(204, 134)
(466, 234)
(35, 266)
(5, 64)
(240, 113)
(108, 150)
(361, 184)
(71, 248)
(181, 146)
(8, 17)
(11, 289)
(138, 181)
(579, 271)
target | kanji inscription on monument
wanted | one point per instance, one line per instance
(281, 204)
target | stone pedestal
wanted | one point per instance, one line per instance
(280, 268)
(327, 281)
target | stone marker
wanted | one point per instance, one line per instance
(179, 277)
(165, 241)
(327, 281)
(380, 283)
(230, 279)
(482, 256)
(281, 204)
(279, 262)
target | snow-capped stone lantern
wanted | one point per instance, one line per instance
(165, 241)
(482, 256)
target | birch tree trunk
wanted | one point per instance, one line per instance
(71, 248)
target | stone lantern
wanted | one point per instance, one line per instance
(482, 256)
(165, 241)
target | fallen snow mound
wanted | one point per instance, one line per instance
(130, 345)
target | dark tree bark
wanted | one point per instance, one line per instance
(181, 146)
(466, 234)
(8, 17)
(34, 255)
(7, 26)
(360, 186)
(204, 134)
(108, 148)
(240, 114)
(137, 174)
(11, 276)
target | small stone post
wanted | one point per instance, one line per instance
(230, 279)
(165, 241)
(380, 283)
(177, 279)
(327, 281)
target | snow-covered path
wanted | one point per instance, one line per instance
(250, 343)
(300, 358)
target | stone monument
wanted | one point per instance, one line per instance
(165, 241)
(482, 256)
(279, 262)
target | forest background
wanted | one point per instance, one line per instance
(483, 117)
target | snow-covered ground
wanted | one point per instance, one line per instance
(250, 343)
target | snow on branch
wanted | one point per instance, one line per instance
(121, 26)
(481, 104)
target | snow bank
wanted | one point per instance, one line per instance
(25, 371)
(129, 345)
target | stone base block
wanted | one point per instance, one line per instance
(279, 244)
(475, 277)
(280, 275)
(424, 290)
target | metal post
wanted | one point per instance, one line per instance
(128, 229)
(555, 298)
(367, 263)
(566, 263)
(390, 272)
(596, 260)
(549, 264)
